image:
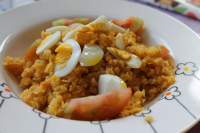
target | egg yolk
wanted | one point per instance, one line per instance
(45, 35)
(123, 84)
(45, 39)
(64, 52)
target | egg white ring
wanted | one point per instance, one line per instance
(108, 24)
(114, 27)
(75, 25)
(57, 28)
(73, 60)
(100, 19)
(72, 33)
(50, 42)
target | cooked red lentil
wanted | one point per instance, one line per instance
(49, 93)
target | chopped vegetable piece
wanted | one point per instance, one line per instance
(61, 22)
(109, 82)
(134, 62)
(149, 118)
(122, 54)
(119, 42)
(91, 55)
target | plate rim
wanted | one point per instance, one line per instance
(132, 3)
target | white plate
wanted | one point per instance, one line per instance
(176, 110)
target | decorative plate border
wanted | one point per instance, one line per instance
(128, 7)
(5, 94)
(171, 94)
(99, 123)
(145, 113)
(43, 116)
(187, 69)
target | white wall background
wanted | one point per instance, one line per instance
(7, 4)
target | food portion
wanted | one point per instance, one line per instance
(92, 69)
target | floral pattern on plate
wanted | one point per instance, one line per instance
(187, 69)
(171, 94)
(172, 97)
(5, 94)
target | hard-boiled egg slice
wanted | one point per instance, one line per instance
(104, 24)
(100, 19)
(48, 42)
(82, 20)
(62, 21)
(45, 34)
(71, 34)
(60, 70)
(108, 82)
(115, 27)
(134, 62)
(119, 41)
(75, 25)
(57, 28)
(91, 55)
(99, 24)
(64, 52)
(138, 24)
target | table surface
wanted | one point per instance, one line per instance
(194, 24)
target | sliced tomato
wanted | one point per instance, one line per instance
(100, 107)
(125, 23)
(164, 52)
